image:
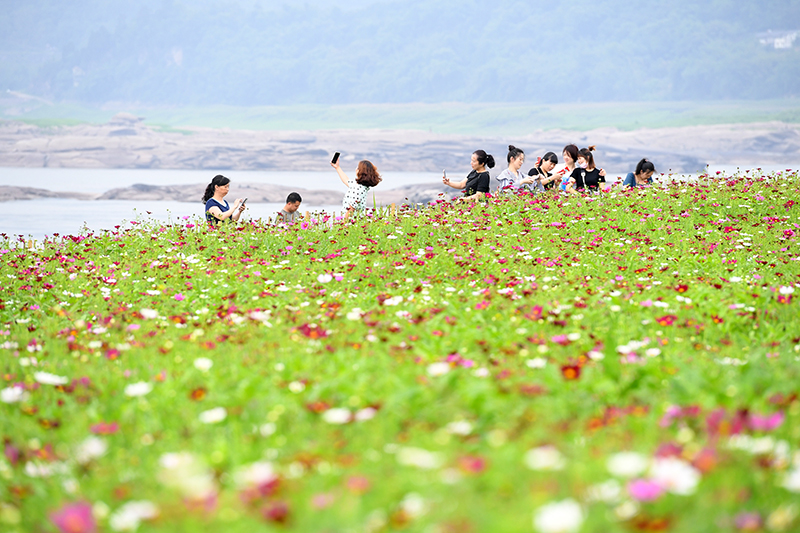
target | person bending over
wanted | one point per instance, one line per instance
(642, 176)
(366, 177)
(476, 184)
(289, 214)
(217, 208)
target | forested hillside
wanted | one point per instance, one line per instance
(261, 53)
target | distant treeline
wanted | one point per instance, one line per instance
(259, 53)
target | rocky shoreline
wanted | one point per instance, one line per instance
(127, 142)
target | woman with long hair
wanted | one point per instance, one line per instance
(217, 208)
(476, 184)
(366, 177)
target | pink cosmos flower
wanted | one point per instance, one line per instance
(180, 297)
(766, 423)
(74, 518)
(645, 490)
(105, 428)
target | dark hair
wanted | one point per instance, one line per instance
(572, 151)
(586, 153)
(645, 166)
(513, 152)
(367, 175)
(293, 197)
(218, 181)
(484, 158)
(549, 156)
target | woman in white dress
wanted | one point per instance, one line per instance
(366, 177)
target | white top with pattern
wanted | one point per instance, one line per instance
(355, 196)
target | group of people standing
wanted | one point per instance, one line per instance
(579, 174)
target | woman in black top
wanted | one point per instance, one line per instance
(586, 174)
(476, 184)
(542, 170)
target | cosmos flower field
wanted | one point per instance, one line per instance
(620, 362)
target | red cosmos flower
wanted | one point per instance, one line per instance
(472, 464)
(483, 304)
(105, 428)
(74, 518)
(784, 298)
(276, 512)
(534, 313)
(312, 331)
(717, 319)
(666, 320)
(198, 394)
(571, 372)
(681, 288)
(318, 406)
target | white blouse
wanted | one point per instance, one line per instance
(355, 196)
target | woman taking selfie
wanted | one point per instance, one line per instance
(217, 208)
(366, 177)
(476, 184)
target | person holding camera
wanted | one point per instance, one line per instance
(217, 208)
(642, 176)
(476, 184)
(366, 177)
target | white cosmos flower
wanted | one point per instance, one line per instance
(254, 475)
(627, 464)
(184, 472)
(565, 516)
(337, 416)
(129, 516)
(324, 278)
(792, 480)
(545, 458)
(213, 416)
(395, 300)
(459, 427)
(410, 456)
(203, 364)
(608, 491)
(536, 362)
(138, 389)
(12, 395)
(786, 290)
(37, 469)
(355, 314)
(50, 379)
(675, 475)
(89, 449)
(368, 413)
(149, 313)
(438, 369)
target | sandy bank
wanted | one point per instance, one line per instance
(126, 142)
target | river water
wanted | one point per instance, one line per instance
(38, 218)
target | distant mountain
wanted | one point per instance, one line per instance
(252, 52)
